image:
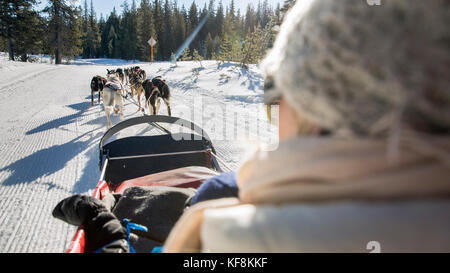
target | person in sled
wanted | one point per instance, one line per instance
(377, 79)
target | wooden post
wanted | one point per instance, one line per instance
(151, 38)
(152, 43)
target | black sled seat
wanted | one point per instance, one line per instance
(138, 156)
(125, 161)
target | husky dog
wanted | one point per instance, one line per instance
(155, 91)
(110, 72)
(97, 85)
(137, 70)
(111, 96)
(127, 73)
(118, 72)
(137, 87)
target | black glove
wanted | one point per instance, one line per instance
(78, 209)
(103, 229)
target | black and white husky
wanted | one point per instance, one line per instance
(97, 85)
(118, 72)
(112, 96)
(140, 72)
(155, 91)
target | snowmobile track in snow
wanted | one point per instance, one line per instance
(26, 77)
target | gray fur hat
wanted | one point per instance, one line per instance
(362, 69)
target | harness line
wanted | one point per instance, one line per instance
(221, 161)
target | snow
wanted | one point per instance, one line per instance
(50, 133)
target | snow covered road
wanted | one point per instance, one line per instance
(50, 135)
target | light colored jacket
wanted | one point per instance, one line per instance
(330, 195)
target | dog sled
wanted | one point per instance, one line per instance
(182, 160)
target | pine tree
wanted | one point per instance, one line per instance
(192, 25)
(209, 26)
(29, 33)
(91, 32)
(203, 31)
(257, 43)
(250, 19)
(251, 54)
(146, 30)
(287, 5)
(220, 18)
(65, 27)
(124, 33)
(112, 43)
(209, 46)
(259, 12)
(110, 38)
(186, 55)
(85, 35)
(236, 50)
(2, 44)
(94, 33)
(159, 27)
(197, 57)
(101, 25)
(232, 12)
(132, 28)
(128, 37)
(277, 15)
(226, 48)
(180, 28)
(167, 38)
(72, 44)
(16, 20)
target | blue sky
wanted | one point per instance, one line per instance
(106, 6)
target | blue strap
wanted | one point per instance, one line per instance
(129, 226)
(158, 249)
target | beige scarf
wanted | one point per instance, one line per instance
(321, 170)
(326, 170)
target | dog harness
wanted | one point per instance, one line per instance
(114, 86)
(151, 94)
(158, 82)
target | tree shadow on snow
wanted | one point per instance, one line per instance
(90, 174)
(51, 160)
(185, 85)
(254, 80)
(56, 123)
(46, 162)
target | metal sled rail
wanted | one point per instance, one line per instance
(157, 155)
(152, 120)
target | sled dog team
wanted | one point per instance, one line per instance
(112, 90)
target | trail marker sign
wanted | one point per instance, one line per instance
(152, 42)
